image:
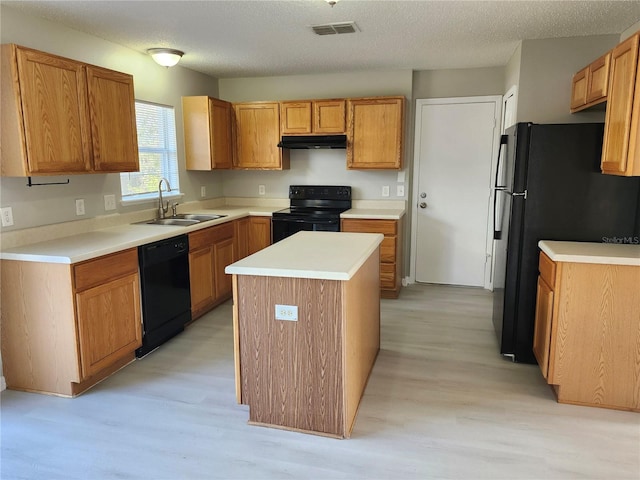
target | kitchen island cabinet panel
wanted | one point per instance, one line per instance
(279, 359)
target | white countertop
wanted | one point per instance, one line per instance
(586, 252)
(85, 246)
(374, 213)
(317, 255)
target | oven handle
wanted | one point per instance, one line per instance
(313, 222)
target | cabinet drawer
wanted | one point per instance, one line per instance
(210, 235)
(547, 268)
(388, 275)
(386, 227)
(388, 250)
(95, 272)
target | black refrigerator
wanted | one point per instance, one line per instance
(549, 187)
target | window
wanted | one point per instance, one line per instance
(157, 152)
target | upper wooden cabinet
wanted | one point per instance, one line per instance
(312, 116)
(589, 86)
(257, 126)
(208, 140)
(60, 116)
(375, 133)
(620, 149)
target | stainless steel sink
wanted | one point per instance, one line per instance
(182, 219)
(200, 217)
(171, 221)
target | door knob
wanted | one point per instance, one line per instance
(423, 195)
(423, 204)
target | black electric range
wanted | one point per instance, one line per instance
(311, 208)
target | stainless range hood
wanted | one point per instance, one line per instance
(313, 141)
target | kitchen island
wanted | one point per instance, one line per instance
(307, 330)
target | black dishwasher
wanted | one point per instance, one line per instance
(166, 297)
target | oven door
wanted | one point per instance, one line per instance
(283, 227)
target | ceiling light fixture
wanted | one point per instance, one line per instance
(332, 2)
(167, 57)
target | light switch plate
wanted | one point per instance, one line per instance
(109, 202)
(400, 191)
(80, 206)
(7, 216)
(401, 176)
(287, 312)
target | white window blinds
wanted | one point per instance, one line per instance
(157, 152)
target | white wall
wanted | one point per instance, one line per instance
(317, 166)
(512, 69)
(463, 82)
(546, 69)
(53, 204)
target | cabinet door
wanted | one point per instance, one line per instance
(375, 129)
(113, 120)
(543, 321)
(598, 78)
(579, 89)
(223, 255)
(329, 116)
(220, 119)
(259, 233)
(201, 279)
(109, 324)
(241, 234)
(53, 93)
(257, 137)
(620, 107)
(295, 117)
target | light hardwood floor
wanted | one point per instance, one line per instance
(441, 403)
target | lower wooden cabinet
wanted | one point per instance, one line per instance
(210, 251)
(259, 233)
(66, 327)
(587, 332)
(390, 250)
(241, 234)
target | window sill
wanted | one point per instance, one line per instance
(150, 198)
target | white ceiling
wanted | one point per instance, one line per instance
(244, 38)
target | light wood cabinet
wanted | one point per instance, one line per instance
(375, 133)
(312, 116)
(210, 251)
(241, 235)
(208, 140)
(620, 149)
(60, 116)
(579, 90)
(589, 86)
(66, 327)
(259, 233)
(390, 250)
(257, 132)
(586, 332)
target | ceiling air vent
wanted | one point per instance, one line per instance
(335, 28)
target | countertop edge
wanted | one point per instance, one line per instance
(581, 256)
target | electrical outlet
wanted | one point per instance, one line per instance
(7, 216)
(80, 206)
(109, 202)
(287, 312)
(261, 190)
(400, 191)
(385, 191)
(203, 191)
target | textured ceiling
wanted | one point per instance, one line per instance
(263, 38)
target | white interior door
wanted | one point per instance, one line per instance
(455, 143)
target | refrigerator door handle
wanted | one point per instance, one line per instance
(503, 141)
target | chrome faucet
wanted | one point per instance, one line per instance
(162, 208)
